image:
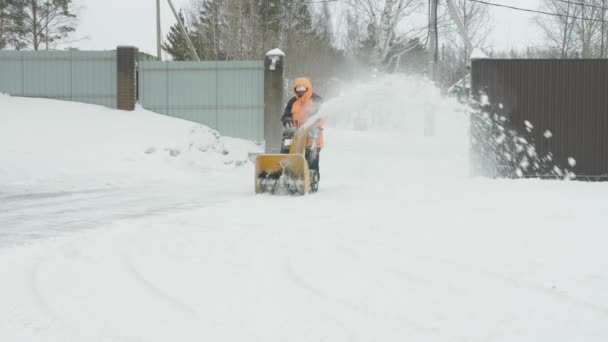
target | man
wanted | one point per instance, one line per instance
(303, 105)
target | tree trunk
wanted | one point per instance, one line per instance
(564, 53)
(1, 24)
(603, 35)
(46, 27)
(465, 22)
(385, 31)
(584, 51)
(35, 27)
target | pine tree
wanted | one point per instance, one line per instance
(324, 27)
(303, 20)
(235, 45)
(209, 30)
(9, 32)
(176, 44)
(3, 25)
(42, 23)
(269, 24)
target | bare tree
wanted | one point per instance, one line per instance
(43, 23)
(603, 30)
(478, 23)
(588, 26)
(378, 19)
(558, 30)
(578, 29)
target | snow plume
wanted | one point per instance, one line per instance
(394, 103)
(431, 130)
(500, 151)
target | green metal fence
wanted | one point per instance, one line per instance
(82, 76)
(226, 96)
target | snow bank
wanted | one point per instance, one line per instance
(59, 144)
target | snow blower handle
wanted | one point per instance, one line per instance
(287, 122)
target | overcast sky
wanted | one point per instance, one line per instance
(109, 23)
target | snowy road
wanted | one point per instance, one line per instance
(31, 215)
(399, 244)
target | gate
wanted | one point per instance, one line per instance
(564, 97)
(226, 96)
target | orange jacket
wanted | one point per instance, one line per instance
(298, 109)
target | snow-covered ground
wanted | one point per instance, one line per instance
(69, 166)
(149, 231)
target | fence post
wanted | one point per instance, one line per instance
(126, 69)
(274, 73)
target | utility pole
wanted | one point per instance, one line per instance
(429, 115)
(433, 37)
(158, 33)
(184, 32)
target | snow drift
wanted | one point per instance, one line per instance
(59, 144)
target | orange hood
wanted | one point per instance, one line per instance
(303, 81)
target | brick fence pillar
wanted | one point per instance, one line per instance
(126, 90)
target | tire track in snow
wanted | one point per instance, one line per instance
(55, 319)
(444, 283)
(36, 292)
(300, 281)
(495, 276)
(156, 291)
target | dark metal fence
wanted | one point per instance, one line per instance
(568, 98)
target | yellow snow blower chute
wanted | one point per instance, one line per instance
(287, 173)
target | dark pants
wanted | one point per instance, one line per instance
(313, 161)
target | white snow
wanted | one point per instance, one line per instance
(485, 100)
(275, 52)
(399, 244)
(548, 134)
(478, 54)
(54, 145)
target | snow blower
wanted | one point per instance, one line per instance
(287, 173)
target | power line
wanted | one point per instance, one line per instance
(320, 1)
(536, 11)
(580, 4)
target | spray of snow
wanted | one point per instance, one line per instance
(501, 151)
(393, 103)
(407, 110)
